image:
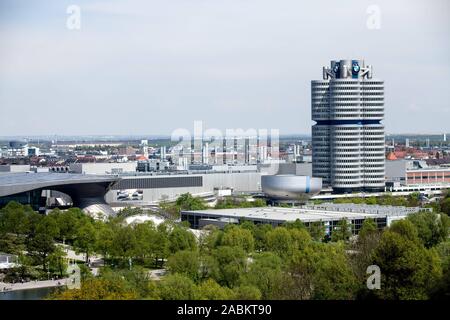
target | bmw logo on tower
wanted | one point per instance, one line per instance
(355, 68)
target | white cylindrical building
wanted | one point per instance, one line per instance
(348, 137)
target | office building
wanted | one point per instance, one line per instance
(348, 137)
(103, 168)
(169, 186)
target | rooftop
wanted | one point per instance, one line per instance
(434, 168)
(11, 183)
(31, 177)
(309, 213)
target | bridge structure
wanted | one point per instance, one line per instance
(86, 191)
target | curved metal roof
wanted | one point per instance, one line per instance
(13, 183)
(289, 187)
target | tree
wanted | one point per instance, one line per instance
(317, 230)
(13, 218)
(209, 267)
(185, 262)
(187, 202)
(25, 269)
(300, 238)
(259, 203)
(136, 279)
(105, 238)
(98, 289)
(406, 229)
(231, 262)
(67, 222)
(322, 271)
(443, 250)
(408, 270)
(442, 290)
(57, 261)
(226, 203)
(248, 225)
(146, 234)
(211, 290)
(432, 228)
(414, 199)
(172, 211)
(40, 247)
(279, 241)
(235, 236)
(342, 232)
(41, 244)
(247, 292)
(129, 211)
(33, 220)
(209, 239)
(297, 224)
(86, 237)
(362, 250)
(15, 226)
(181, 239)
(265, 273)
(368, 227)
(445, 206)
(260, 235)
(234, 202)
(178, 287)
(124, 243)
(160, 247)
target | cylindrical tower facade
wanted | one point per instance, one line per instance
(348, 137)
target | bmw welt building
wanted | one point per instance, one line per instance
(348, 137)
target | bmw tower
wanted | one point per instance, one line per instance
(348, 137)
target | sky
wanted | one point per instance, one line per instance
(149, 67)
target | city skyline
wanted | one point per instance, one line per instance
(131, 65)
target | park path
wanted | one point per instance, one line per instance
(5, 287)
(157, 274)
(71, 254)
(96, 261)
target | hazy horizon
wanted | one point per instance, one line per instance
(100, 137)
(149, 67)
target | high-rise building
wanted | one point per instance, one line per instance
(205, 153)
(162, 153)
(348, 137)
(144, 146)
